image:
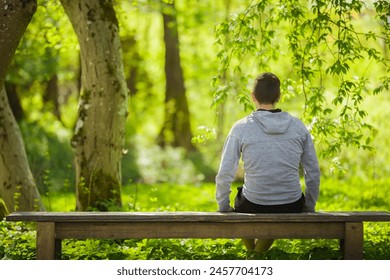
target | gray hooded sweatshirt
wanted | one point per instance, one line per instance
(272, 146)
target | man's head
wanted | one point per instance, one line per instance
(266, 89)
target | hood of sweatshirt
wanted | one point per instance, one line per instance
(272, 123)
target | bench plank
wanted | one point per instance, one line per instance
(120, 230)
(196, 217)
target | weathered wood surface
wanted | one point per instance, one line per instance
(46, 243)
(217, 217)
(352, 243)
(120, 230)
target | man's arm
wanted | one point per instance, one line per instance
(227, 172)
(311, 173)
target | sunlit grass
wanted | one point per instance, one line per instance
(60, 202)
(169, 197)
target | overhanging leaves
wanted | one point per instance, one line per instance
(327, 53)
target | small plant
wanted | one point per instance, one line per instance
(17, 241)
(17, 195)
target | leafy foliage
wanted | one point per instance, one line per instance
(46, 48)
(17, 241)
(319, 43)
(50, 155)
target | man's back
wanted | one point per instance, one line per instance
(272, 144)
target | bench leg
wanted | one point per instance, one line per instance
(352, 245)
(47, 246)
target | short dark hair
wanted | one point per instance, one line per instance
(267, 88)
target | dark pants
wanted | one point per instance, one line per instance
(241, 204)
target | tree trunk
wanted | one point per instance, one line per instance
(176, 130)
(14, 19)
(51, 95)
(100, 128)
(17, 185)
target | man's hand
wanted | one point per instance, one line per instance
(231, 209)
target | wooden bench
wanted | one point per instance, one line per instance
(52, 227)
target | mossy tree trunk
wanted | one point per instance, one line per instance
(100, 128)
(15, 17)
(176, 130)
(17, 186)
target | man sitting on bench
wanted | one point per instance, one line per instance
(273, 146)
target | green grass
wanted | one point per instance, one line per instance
(17, 240)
